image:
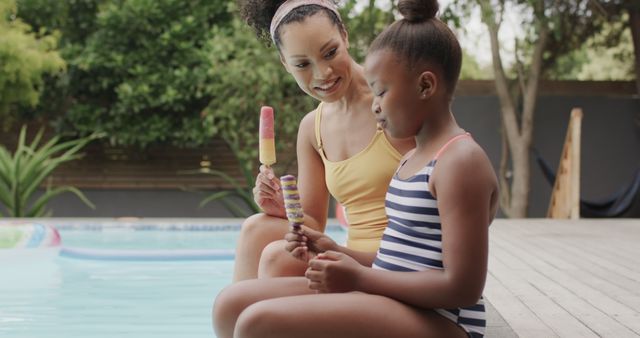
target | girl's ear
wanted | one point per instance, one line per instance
(428, 83)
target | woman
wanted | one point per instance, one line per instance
(340, 149)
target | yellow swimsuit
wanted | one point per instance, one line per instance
(360, 184)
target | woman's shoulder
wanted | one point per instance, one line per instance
(309, 119)
(306, 128)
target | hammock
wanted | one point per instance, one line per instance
(613, 206)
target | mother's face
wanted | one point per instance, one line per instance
(316, 53)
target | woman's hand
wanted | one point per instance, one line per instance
(306, 243)
(332, 272)
(267, 193)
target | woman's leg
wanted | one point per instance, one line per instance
(257, 231)
(275, 261)
(235, 298)
(349, 315)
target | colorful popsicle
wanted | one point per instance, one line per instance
(292, 200)
(267, 137)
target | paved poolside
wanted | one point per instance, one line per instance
(550, 278)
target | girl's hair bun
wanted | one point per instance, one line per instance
(418, 10)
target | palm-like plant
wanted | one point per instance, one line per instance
(247, 206)
(239, 190)
(23, 172)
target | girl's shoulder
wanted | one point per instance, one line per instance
(464, 161)
(464, 153)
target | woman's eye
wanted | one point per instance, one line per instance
(331, 53)
(381, 93)
(302, 65)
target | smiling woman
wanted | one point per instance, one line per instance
(337, 142)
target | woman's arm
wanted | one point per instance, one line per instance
(314, 195)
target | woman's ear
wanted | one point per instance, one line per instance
(428, 83)
(284, 63)
(345, 36)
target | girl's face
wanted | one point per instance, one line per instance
(398, 101)
(315, 52)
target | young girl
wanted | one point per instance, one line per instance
(337, 142)
(426, 280)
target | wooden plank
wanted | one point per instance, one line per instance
(497, 327)
(566, 259)
(509, 272)
(558, 258)
(565, 196)
(590, 306)
(519, 317)
(585, 271)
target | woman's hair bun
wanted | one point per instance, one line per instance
(418, 10)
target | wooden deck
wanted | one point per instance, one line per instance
(550, 278)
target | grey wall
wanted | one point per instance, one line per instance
(610, 146)
(610, 156)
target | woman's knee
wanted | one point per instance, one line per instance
(251, 224)
(273, 254)
(262, 227)
(275, 261)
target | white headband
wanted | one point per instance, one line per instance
(290, 5)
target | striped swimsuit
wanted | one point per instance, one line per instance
(412, 240)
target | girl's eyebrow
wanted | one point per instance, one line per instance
(321, 49)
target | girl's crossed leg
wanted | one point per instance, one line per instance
(285, 307)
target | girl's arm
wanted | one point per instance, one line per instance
(307, 240)
(466, 190)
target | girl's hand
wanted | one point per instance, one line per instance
(306, 243)
(332, 272)
(267, 193)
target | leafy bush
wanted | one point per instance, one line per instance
(25, 57)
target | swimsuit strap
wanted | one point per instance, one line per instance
(448, 143)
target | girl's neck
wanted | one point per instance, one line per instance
(357, 90)
(441, 127)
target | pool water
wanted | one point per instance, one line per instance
(150, 239)
(70, 298)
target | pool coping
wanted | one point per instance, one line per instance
(141, 224)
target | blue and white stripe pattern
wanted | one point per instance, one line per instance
(412, 240)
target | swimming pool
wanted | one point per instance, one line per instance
(71, 298)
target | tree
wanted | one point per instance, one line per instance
(633, 10)
(552, 29)
(139, 70)
(25, 57)
(364, 25)
(635, 31)
(248, 74)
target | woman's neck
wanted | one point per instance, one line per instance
(357, 90)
